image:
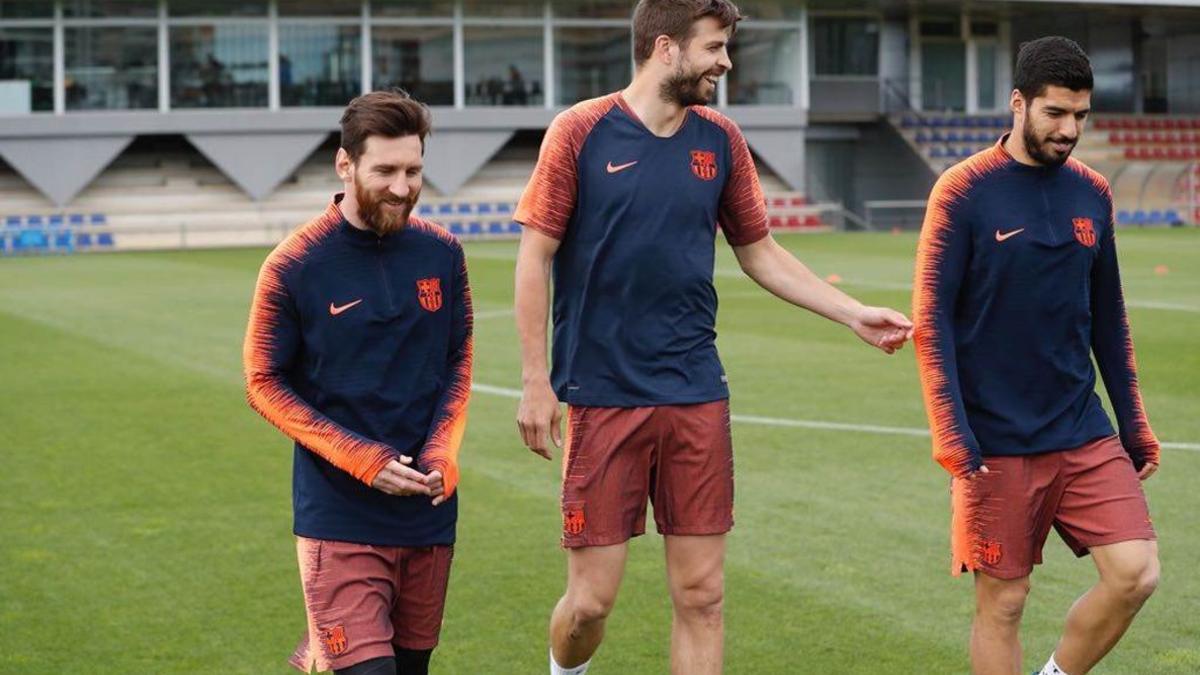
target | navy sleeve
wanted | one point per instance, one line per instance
(1112, 346)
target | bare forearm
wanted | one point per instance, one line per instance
(532, 309)
(780, 273)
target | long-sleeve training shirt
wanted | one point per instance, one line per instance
(359, 348)
(1016, 288)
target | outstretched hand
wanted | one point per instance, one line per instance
(882, 328)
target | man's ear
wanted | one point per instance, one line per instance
(342, 164)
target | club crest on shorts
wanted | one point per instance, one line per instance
(990, 552)
(573, 520)
(1084, 232)
(334, 639)
(704, 164)
(429, 293)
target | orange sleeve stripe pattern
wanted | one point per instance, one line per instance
(450, 422)
(743, 212)
(267, 390)
(951, 448)
(1142, 441)
(548, 201)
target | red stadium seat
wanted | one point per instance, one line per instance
(775, 221)
(1131, 153)
(799, 201)
(793, 221)
(812, 220)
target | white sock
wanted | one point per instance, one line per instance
(556, 669)
(1051, 668)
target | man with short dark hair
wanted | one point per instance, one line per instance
(622, 210)
(359, 348)
(1017, 287)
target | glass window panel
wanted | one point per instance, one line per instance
(504, 65)
(418, 59)
(319, 8)
(223, 66)
(107, 8)
(986, 54)
(594, 9)
(765, 64)
(844, 46)
(26, 9)
(417, 8)
(514, 8)
(28, 54)
(591, 62)
(217, 7)
(319, 64)
(943, 75)
(769, 10)
(111, 68)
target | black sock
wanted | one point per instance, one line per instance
(412, 661)
(384, 665)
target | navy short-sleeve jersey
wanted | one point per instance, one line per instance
(634, 304)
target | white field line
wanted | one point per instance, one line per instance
(803, 424)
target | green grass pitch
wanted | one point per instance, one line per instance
(145, 518)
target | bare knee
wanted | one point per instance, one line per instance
(588, 608)
(701, 599)
(1137, 583)
(1002, 601)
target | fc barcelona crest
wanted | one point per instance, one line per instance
(704, 164)
(990, 552)
(1084, 232)
(573, 520)
(429, 293)
(335, 640)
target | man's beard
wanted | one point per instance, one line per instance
(375, 213)
(1037, 147)
(685, 89)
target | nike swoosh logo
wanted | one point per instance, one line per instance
(335, 310)
(620, 167)
(1006, 235)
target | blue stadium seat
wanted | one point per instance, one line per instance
(12, 221)
(425, 210)
(1155, 217)
(83, 240)
(76, 219)
(936, 152)
(98, 219)
(952, 137)
(104, 239)
(936, 122)
(34, 220)
(445, 209)
(907, 122)
(3, 244)
(922, 137)
(475, 227)
(485, 207)
(1139, 217)
(514, 227)
(63, 241)
(456, 228)
(463, 208)
(1171, 216)
(503, 207)
(31, 240)
(1124, 217)
(56, 220)
(496, 228)
(937, 137)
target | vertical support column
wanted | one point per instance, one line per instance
(1004, 65)
(60, 70)
(549, 86)
(164, 60)
(460, 66)
(916, 92)
(800, 98)
(366, 67)
(972, 63)
(273, 97)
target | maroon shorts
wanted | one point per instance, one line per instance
(364, 601)
(680, 457)
(1090, 494)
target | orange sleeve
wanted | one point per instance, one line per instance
(272, 343)
(943, 253)
(450, 419)
(548, 201)
(743, 210)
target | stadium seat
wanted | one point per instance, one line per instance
(31, 240)
(12, 221)
(1124, 217)
(425, 210)
(514, 227)
(936, 152)
(463, 209)
(98, 219)
(456, 228)
(475, 227)
(485, 207)
(1171, 216)
(922, 137)
(76, 219)
(83, 240)
(496, 228)
(104, 240)
(504, 207)
(63, 241)
(3, 245)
